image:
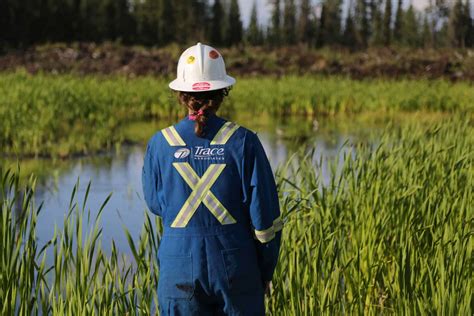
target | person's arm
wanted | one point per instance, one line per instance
(151, 180)
(262, 196)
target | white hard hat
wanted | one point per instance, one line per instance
(201, 68)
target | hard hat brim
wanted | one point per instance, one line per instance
(209, 85)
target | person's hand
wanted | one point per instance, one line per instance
(268, 287)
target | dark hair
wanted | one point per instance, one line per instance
(207, 102)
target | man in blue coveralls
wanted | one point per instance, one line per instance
(211, 182)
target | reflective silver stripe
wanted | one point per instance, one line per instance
(268, 234)
(224, 133)
(209, 179)
(193, 201)
(172, 137)
(218, 210)
(191, 178)
(209, 200)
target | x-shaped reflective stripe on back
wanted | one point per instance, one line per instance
(201, 193)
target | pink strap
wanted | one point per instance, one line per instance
(196, 115)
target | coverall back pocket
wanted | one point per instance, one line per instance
(243, 274)
(176, 277)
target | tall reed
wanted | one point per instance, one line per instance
(71, 274)
(389, 232)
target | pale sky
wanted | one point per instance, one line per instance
(264, 9)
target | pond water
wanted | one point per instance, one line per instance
(119, 172)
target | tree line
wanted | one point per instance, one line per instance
(350, 23)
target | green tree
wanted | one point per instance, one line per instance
(426, 36)
(217, 26)
(5, 22)
(349, 37)
(184, 23)
(397, 28)
(106, 20)
(192, 21)
(275, 29)
(411, 27)
(167, 22)
(469, 38)
(457, 28)
(253, 31)
(362, 22)
(330, 23)
(146, 14)
(377, 36)
(91, 24)
(304, 22)
(387, 23)
(234, 33)
(289, 22)
(123, 19)
(200, 19)
(438, 11)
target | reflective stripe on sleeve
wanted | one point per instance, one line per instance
(172, 137)
(224, 133)
(267, 235)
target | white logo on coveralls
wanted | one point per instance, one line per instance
(182, 153)
(200, 152)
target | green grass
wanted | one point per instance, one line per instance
(391, 232)
(63, 115)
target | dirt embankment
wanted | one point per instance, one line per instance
(109, 58)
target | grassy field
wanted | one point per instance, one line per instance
(63, 115)
(390, 233)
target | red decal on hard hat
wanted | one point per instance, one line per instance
(213, 54)
(199, 86)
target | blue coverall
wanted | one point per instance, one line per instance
(222, 227)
